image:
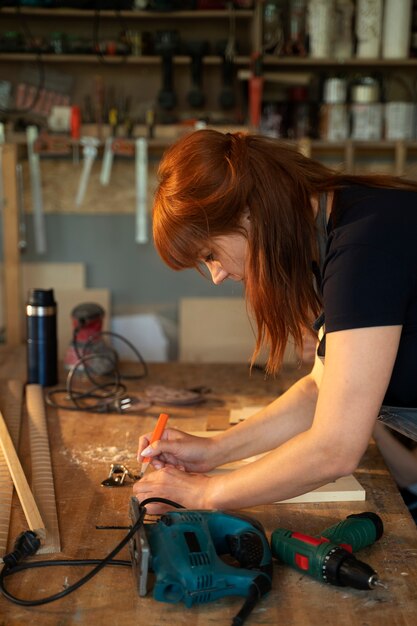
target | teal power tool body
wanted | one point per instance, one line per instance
(184, 547)
(328, 557)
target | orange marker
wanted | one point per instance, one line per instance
(156, 436)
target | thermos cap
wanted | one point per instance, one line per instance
(41, 297)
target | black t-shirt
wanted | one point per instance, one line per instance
(370, 273)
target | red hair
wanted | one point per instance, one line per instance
(209, 179)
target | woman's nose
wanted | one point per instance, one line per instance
(218, 274)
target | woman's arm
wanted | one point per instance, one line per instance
(287, 416)
(358, 368)
(356, 375)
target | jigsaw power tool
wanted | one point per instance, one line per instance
(184, 547)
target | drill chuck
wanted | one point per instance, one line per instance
(343, 569)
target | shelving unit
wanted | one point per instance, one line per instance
(139, 76)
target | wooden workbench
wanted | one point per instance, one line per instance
(83, 447)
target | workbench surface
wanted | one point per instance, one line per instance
(84, 445)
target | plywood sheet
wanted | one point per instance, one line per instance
(117, 197)
(218, 330)
(44, 276)
(52, 276)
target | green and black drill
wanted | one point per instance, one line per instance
(328, 557)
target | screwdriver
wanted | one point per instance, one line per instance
(329, 557)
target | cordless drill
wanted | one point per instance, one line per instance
(328, 557)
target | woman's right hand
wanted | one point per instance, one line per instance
(179, 449)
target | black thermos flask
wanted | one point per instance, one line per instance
(42, 349)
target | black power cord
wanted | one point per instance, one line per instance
(28, 543)
(101, 367)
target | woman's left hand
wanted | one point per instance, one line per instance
(189, 490)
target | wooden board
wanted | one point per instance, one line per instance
(52, 276)
(117, 197)
(11, 399)
(219, 330)
(30, 508)
(12, 313)
(41, 276)
(42, 475)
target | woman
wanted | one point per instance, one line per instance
(314, 249)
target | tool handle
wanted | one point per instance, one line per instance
(357, 531)
(302, 552)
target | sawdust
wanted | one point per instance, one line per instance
(101, 454)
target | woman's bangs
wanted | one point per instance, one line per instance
(180, 247)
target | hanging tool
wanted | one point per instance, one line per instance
(90, 145)
(20, 201)
(36, 187)
(197, 50)
(141, 179)
(256, 85)
(75, 130)
(107, 162)
(228, 50)
(167, 44)
(227, 97)
(328, 557)
(184, 549)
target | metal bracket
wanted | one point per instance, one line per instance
(118, 475)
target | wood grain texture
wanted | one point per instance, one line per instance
(42, 474)
(20, 482)
(12, 275)
(11, 398)
(84, 445)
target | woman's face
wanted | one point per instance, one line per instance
(226, 258)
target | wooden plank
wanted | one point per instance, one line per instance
(30, 509)
(11, 395)
(45, 276)
(10, 244)
(219, 330)
(42, 475)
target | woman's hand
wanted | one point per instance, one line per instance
(189, 490)
(179, 449)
